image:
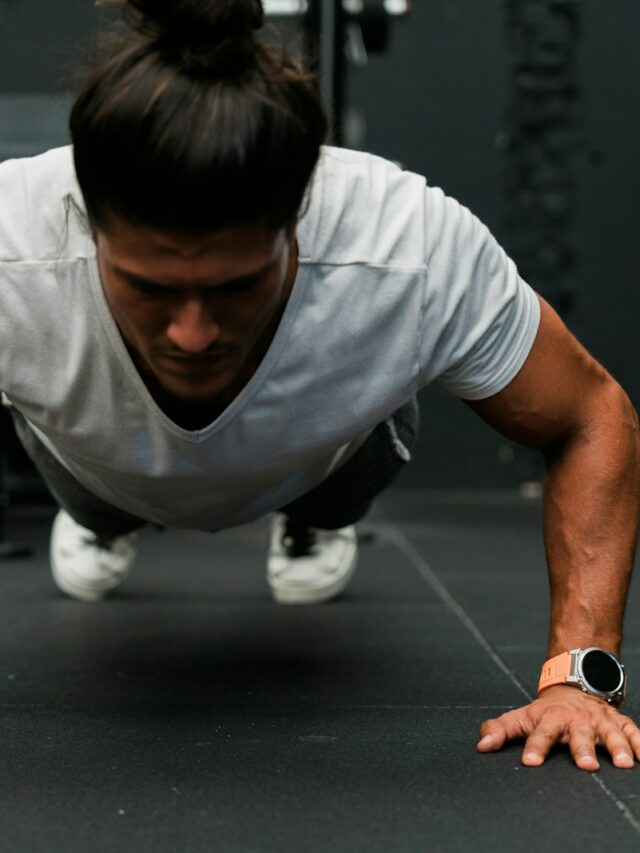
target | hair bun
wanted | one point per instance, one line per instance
(194, 22)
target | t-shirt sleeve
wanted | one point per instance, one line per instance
(480, 319)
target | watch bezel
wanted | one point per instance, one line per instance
(617, 692)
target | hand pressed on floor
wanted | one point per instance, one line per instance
(564, 714)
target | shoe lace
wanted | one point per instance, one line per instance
(98, 542)
(298, 540)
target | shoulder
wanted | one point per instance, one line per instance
(363, 208)
(41, 201)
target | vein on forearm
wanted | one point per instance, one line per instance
(591, 512)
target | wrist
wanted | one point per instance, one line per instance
(593, 670)
(609, 642)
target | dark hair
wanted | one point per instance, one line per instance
(192, 123)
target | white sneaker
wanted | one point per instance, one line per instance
(307, 565)
(85, 567)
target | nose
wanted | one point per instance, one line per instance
(192, 329)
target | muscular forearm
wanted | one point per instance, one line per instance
(566, 404)
(591, 512)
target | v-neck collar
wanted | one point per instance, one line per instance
(138, 385)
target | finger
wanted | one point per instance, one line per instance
(631, 732)
(510, 725)
(540, 742)
(582, 743)
(492, 736)
(617, 744)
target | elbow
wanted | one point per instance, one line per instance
(619, 409)
(607, 415)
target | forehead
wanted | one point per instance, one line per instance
(239, 250)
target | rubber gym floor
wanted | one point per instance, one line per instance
(191, 713)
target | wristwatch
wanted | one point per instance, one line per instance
(593, 670)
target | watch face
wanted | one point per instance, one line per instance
(601, 671)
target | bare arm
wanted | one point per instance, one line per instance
(565, 404)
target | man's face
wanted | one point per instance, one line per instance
(196, 312)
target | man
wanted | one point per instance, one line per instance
(187, 343)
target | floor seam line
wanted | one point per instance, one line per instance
(427, 573)
(626, 813)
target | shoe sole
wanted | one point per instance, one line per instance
(304, 595)
(75, 590)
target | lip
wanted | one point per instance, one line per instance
(186, 363)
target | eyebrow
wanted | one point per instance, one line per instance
(147, 282)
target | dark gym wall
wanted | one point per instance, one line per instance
(36, 37)
(439, 102)
(608, 207)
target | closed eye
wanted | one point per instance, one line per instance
(148, 288)
(239, 286)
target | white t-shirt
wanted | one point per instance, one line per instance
(397, 286)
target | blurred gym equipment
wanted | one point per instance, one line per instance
(341, 34)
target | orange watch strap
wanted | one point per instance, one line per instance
(555, 670)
